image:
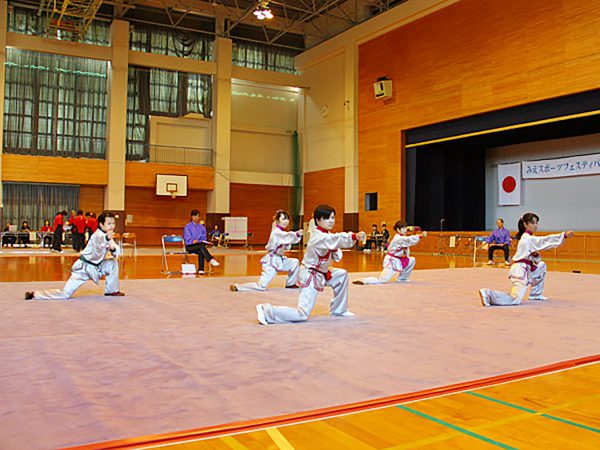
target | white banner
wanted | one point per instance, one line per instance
(509, 184)
(562, 167)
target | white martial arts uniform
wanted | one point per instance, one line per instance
(322, 248)
(527, 269)
(275, 261)
(91, 265)
(397, 261)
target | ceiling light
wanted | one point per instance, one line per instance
(263, 11)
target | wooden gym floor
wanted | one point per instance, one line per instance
(559, 410)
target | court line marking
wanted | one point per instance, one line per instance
(540, 413)
(457, 428)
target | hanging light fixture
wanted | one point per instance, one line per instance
(262, 10)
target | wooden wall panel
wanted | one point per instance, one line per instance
(468, 58)
(258, 202)
(325, 187)
(91, 198)
(48, 169)
(155, 215)
(143, 174)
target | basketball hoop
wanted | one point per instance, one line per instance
(172, 189)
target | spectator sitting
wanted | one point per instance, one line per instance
(372, 239)
(46, 230)
(24, 239)
(386, 236)
(498, 240)
(8, 240)
(216, 236)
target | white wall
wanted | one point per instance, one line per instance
(561, 203)
(263, 119)
(325, 129)
(191, 131)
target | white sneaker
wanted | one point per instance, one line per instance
(485, 301)
(201, 272)
(490, 263)
(213, 262)
(346, 314)
(539, 298)
(260, 313)
(507, 263)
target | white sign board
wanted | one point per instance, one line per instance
(562, 167)
(237, 228)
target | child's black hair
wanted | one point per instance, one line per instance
(105, 215)
(399, 224)
(323, 212)
(195, 212)
(281, 213)
(525, 218)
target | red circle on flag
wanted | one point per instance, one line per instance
(509, 184)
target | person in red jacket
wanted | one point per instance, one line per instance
(92, 223)
(78, 231)
(58, 229)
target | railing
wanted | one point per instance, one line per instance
(584, 246)
(165, 154)
(49, 144)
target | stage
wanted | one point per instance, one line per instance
(178, 354)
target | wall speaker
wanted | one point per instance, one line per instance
(383, 89)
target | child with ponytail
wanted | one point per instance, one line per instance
(280, 241)
(527, 266)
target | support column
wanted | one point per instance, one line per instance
(116, 130)
(3, 22)
(218, 198)
(350, 137)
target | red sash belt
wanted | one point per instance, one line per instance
(531, 265)
(404, 260)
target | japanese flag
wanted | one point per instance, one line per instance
(509, 184)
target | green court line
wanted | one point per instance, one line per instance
(532, 411)
(456, 428)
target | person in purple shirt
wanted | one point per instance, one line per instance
(194, 236)
(498, 240)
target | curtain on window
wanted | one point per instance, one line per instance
(27, 21)
(36, 203)
(173, 42)
(264, 57)
(54, 105)
(162, 93)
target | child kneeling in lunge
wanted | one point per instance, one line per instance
(91, 264)
(280, 241)
(398, 259)
(527, 266)
(323, 247)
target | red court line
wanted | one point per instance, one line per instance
(316, 414)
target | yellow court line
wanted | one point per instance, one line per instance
(233, 443)
(279, 439)
(506, 128)
(487, 426)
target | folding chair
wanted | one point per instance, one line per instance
(172, 245)
(225, 240)
(129, 240)
(483, 245)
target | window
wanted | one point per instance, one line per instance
(371, 201)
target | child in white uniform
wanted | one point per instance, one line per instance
(323, 248)
(527, 266)
(280, 241)
(398, 259)
(91, 264)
